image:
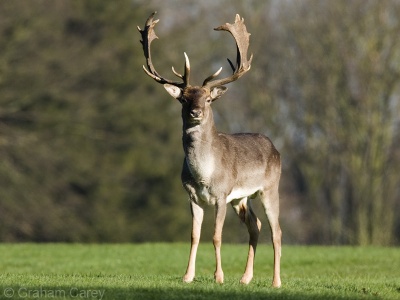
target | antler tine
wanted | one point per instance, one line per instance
(148, 35)
(186, 75)
(209, 78)
(242, 37)
(176, 73)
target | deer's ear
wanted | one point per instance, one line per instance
(218, 92)
(173, 90)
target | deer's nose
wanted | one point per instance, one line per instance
(195, 113)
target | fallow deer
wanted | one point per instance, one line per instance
(221, 168)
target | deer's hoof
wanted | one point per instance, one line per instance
(219, 278)
(246, 279)
(276, 283)
(188, 278)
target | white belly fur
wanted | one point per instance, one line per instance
(239, 193)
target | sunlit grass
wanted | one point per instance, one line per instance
(154, 271)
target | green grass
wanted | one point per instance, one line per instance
(154, 271)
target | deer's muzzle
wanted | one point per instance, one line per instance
(196, 114)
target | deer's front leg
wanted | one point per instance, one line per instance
(197, 219)
(220, 213)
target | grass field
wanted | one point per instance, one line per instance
(154, 271)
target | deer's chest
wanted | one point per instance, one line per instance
(201, 163)
(203, 194)
(202, 171)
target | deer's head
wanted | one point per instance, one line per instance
(196, 100)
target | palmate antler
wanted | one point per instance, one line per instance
(242, 37)
(148, 35)
(238, 31)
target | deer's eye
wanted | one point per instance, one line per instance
(208, 100)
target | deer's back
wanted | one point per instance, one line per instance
(252, 150)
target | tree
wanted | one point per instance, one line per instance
(91, 147)
(339, 84)
(77, 156)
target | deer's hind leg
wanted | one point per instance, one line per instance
(270, 201)
(245, 212)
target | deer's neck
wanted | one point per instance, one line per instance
(197, 143)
